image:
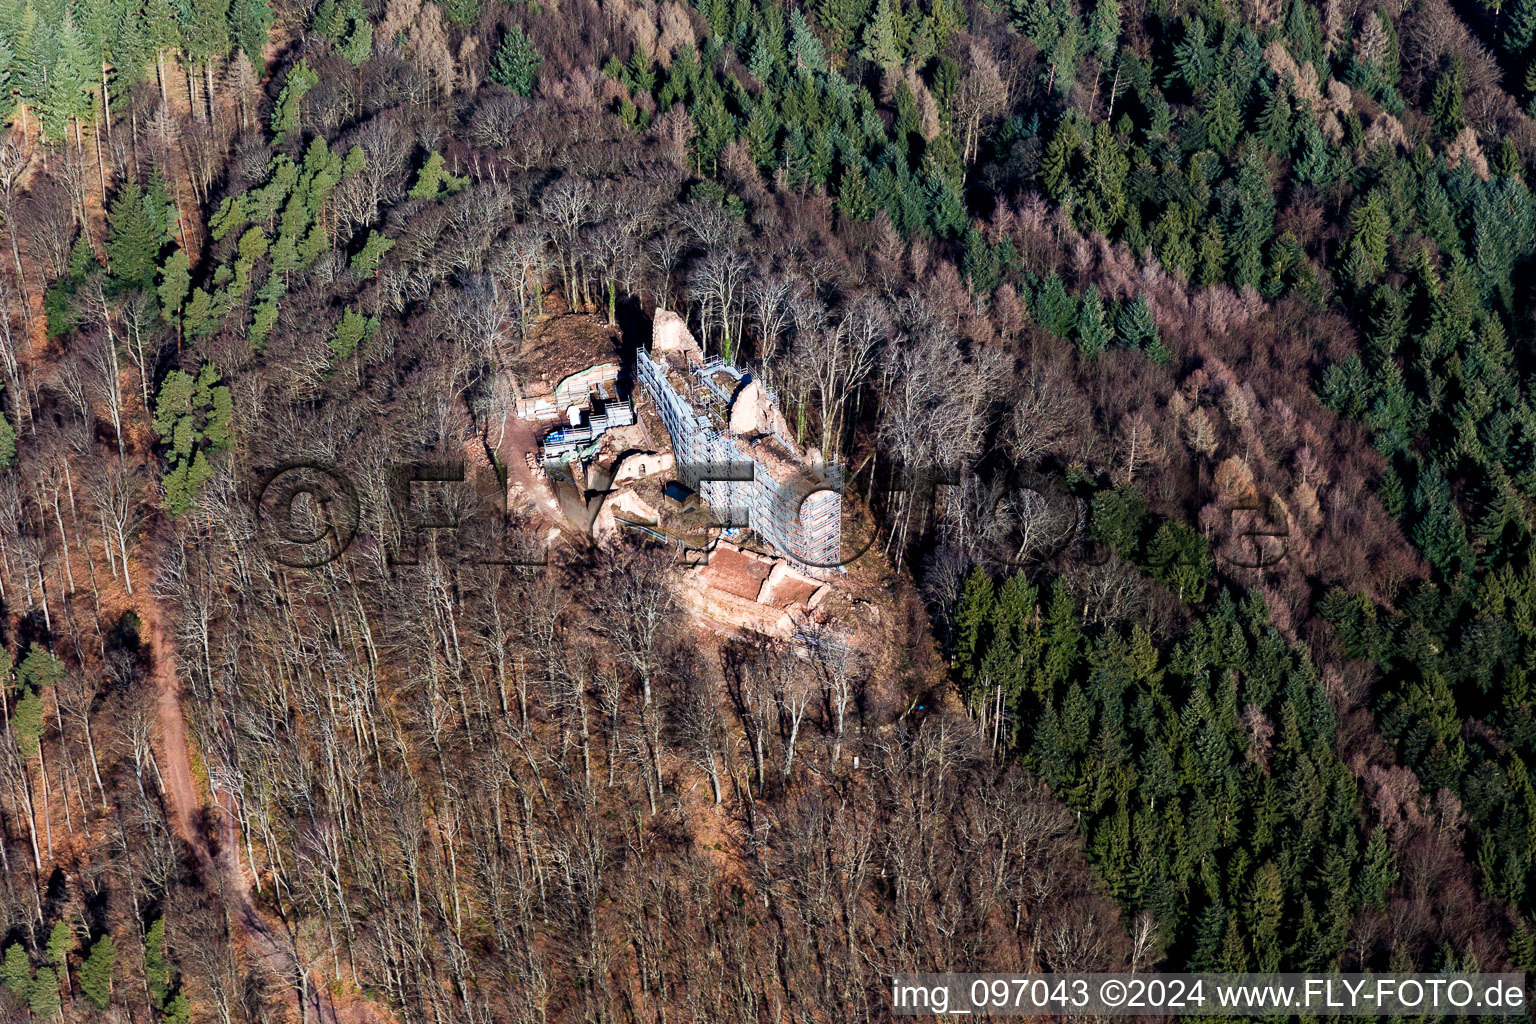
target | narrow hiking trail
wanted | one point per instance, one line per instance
(191, 812)
(272, 947)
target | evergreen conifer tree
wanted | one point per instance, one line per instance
(1445, 102)
(516, 62)
(1092, 330)
(96, 972)
(16, 970)
(971, 617)
(133, 240)
(43, 996)
(157, 972)
(1136, 326)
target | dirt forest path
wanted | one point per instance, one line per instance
(272, 948)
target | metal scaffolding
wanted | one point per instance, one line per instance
(761, 482)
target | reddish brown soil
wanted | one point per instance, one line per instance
(736, 573)
(188, 815)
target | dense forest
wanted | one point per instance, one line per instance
(1211, 648)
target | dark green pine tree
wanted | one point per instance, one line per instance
(1057, 165)
(1371, 225)
(16, 970)
(1252, 227)
(1504, 527)
(10, 29)
(1063, 636)
(972, 616)
(132, 55)
(1136, 326)
(1012, 658)
(822, 156)
(1208, 932)
(854, 197)
(35, 50)
(770, 52)
(1437, 216)
(162, 31)
(61, 942)
(1266, 916)
(1389, 325)
(1445, 102)
(251, 23)
(762, 131)
(807, 54)
(60, 305)
(1453, 313)
(205, 34)
(642, 70)
(898, 194)
(1111, 846)
(802, 103)
(1506, 161)
(1305, 36)
(718, 14)
(7, 443)
(944, 204)
(1522, 947)
(178, 1010)
(1223, 121)
(43, 998)
(909, 124)
(944, 161)
(99, 26)
(134, 240)
(287, 113)
(367, 259)
(943, 83)
(715, 127)
(1092, 329)
(1180, 559)
(1314, 165)
(1212, 265)
(1438, 530)
(330, 20)
(1194, 57)
(881, 47)
(1347, 387)
(96, 973)
(157, 969)
(1077, 721)
(1048, 754)
(680, 79)
(841, 20)
(797, 159)
(1104, 202)
(1519, 28)
(1392, 417)
(515, 64)
(158, 204)
(979, 264)
(1172, 238)
(175, 281)
(65, 96)
(1275, 123)
(1054, 308)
